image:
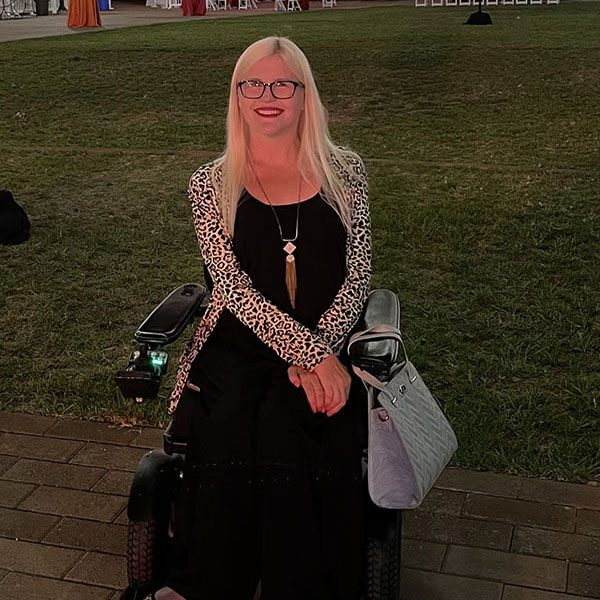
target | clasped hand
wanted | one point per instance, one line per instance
(327, 386)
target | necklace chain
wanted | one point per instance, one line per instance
(273, 208)
(290, 261)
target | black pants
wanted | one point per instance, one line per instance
(271, 490)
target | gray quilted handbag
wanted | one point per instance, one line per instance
(410, 439)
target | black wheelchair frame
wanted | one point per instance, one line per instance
(160, 472)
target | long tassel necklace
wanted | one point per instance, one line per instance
(290, 261)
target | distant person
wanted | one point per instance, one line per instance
(84, 13)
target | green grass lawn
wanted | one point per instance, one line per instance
(482, 146)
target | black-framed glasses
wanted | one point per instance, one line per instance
(281, 89)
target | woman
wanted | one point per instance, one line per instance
(272, 487)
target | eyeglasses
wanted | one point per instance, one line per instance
(280, 89)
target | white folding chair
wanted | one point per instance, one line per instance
(279, 5)
(508, 2)
(29, 7)
(521, 1)
(553, 1)
(329, 3)
(53, 6)
(464, 2)
(535, 1)
(222, 4)
(491, 2)
(243, 5)
(437, 2)
(420, 2)
(293, 5)
(451, 2)
(211, 5)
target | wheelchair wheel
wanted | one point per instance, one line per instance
(384, 529)
(150, 511)
(144, 551)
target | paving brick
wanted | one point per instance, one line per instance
(12, 493)
(92, 431)
(493, 484)
(545, 573)
(108, 456)
(25, 525)
(122, 519)
(100, 569)
(54, 474)
(89, 535)
(22, 423)
(31, 446)
(447, 529)
(114, 482)
(74, 503)
(555, 544)
(514, 592)
(425, 585)
(446, 502)
(584, 579)
(423, 555)
(588, 522)
(6, 462)
(36, 559)
(522, 512)
(149, 437)
(19, 586)
(560, 492)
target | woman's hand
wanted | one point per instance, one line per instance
(312, 387)
(327, 386)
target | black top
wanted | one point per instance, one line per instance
(320, 262)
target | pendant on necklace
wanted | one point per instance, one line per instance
(290, 273)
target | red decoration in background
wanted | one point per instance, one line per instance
(83, 13)
(193, 8)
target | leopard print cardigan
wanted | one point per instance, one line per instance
(233, 288)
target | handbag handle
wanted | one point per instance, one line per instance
(377, 332)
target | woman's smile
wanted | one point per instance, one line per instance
(268, 112)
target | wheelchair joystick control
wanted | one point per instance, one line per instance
(147, 365)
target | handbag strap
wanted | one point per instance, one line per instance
(377, 332)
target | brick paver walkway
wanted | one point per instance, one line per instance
(479, 536)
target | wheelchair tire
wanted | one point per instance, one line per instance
(142, 551)
(383, 554)
(149, 545)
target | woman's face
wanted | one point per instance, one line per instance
(269, 116)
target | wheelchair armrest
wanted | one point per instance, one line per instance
(381, 308)
(168, 320)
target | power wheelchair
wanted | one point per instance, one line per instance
(160, 472)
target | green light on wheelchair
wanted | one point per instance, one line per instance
(158, 360)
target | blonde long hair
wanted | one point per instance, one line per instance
(317, 152)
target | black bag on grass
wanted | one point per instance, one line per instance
(14, 224)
